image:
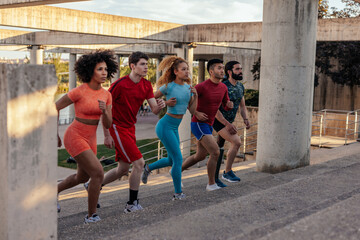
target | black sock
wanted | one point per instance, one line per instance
(133, 196)
(219, 163)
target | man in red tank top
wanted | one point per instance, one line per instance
(128, 95)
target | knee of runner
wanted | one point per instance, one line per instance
(138, 165)
(215, 152)
(237, 144)
(83, 179)
(98, 175)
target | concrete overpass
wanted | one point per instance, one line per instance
(288, 50)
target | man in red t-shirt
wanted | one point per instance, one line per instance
(128, 94)
(211, 94)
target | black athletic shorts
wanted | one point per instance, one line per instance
(218, 125)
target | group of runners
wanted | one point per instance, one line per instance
(212, 103)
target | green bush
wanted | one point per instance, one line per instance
(251, 97)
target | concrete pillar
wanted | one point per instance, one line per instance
(158, 60)
(28, 189)
(201, 72)
(184, 128)
(286, 85)
(190, 60)
(72, 83)
(117, 74)
(36, 54)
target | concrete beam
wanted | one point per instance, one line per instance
(16, 37)
(25, 3)
(54, 18)
(224, 32)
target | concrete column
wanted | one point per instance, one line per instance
(28, 141)
(36, 54)
(286, 85)
(72, 83)
(201, 72)
(117, 74)
(184, 128)
(157, 70)
(190, 60)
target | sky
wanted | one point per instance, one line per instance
(174, 11)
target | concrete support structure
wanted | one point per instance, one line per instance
(190, 59)
(184, 128)
(117, 74)
(72, 83)
(158, 60)
(28, 152)
(201, 72)
(286, 85)
(25, 3)
(36, 54)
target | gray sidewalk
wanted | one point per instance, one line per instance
(320, 201)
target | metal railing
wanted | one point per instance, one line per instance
(330, 122)
(246, 147)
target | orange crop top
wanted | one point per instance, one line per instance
(86, 102)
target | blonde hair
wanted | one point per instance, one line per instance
(167, 66)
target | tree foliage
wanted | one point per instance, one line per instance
(347, 54)
(323, 8)
(351, 9)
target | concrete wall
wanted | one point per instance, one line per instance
(330, 95)
(28, 152)
(247, 58)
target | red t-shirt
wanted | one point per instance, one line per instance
(210, 96)
(127, 99)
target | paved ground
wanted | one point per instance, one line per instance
(320, 201)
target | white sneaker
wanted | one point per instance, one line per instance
(182, 185)
(212, 187)
(179, 196)
(133, 207)
(94, 218)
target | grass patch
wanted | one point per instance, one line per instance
(149, 152)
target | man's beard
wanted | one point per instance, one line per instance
(237, 77)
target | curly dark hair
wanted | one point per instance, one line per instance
(85, 65)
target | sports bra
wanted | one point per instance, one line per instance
(86, 103)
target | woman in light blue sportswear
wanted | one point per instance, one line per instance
(174, 85)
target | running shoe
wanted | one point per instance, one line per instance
(86, 186)
(93, 219)
(230, 177)
(220, 183)
(182, 185)
(212, 187)
(145, 174)
(58, 207)
(133, 207)
(179, 196)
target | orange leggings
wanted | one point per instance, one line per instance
(80, 137)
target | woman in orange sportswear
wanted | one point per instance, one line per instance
(91, 102)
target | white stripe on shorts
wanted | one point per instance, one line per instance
(121, 146)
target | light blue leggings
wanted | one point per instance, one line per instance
(167, 131)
